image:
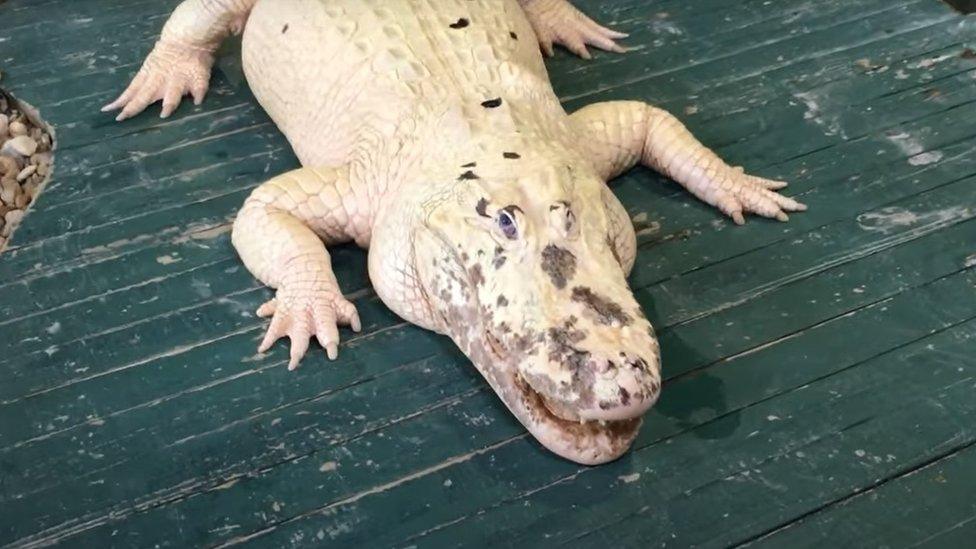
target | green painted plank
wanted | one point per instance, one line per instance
(851, 277)
(126, 270)
(152, 327)
(890, 387)
(649, 268)
(285, 486)
(23, 14)
(123, 34)
(829, 246)
(166, 193)
(773, 43)
(929, 506)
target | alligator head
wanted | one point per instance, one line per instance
(518, 265)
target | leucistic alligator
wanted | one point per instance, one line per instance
(429, 132)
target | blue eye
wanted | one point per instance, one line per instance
(507, 225)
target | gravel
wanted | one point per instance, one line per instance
(25, 162)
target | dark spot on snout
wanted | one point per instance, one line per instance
(562, 345)
(607, 312)
(477, 278)
(502, 301)
(561, 342)
(513, 35)
(460, 23)
(481, 207)
(469, 165)
(559, 264)
(624, 396)
(492, 103)
(511, 155)
(500, 257)
(468, 175)
(284, 29)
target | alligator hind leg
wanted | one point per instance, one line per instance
(557, 21)
(619, 134)
(180, 62)
(281, 234)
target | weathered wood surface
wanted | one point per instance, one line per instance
(821, 374)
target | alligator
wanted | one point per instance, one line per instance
(429, 132)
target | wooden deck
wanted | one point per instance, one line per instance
(821, 374)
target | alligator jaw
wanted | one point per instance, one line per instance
(557, 428)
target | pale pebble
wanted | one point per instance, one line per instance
(22, 145)
(26, 172)
(17, 129)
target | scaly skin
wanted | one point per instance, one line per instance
(430, 133)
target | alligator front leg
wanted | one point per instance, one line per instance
(180, 62)
(281, 233)
(619, 134)
(557, 21)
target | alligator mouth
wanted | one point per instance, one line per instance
(555, 425)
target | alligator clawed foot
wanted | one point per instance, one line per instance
(740, 193)
(170, 72)
(302, 314)
(558, 22)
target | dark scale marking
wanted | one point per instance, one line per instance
(460, 23)
(502, 301)
(511, 155)
(513, 35)
(559, 264)
(482, 207)
(468, 175)
(284, 29)
(469, 165)
(607, 311)
(492, 103)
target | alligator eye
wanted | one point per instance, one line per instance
(507, 225)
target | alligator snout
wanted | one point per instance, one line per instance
(602, 375)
